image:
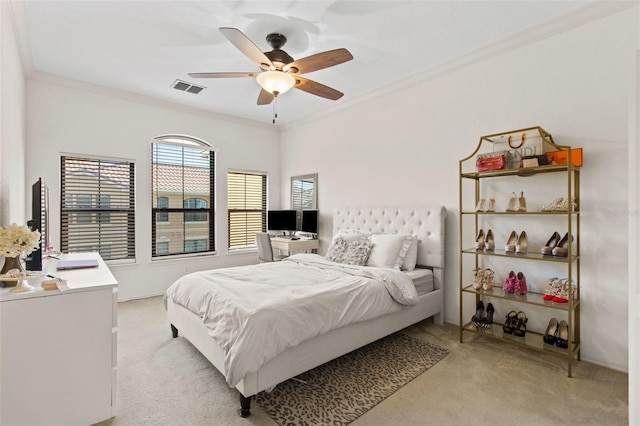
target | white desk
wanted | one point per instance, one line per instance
(288, 245)
(58, 352)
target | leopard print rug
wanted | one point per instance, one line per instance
(342, 390)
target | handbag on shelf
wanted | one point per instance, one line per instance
(493, 160)
(534, 161)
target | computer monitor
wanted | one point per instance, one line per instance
(309, 221)
(282, 220)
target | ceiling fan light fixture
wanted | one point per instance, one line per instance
(275, 82)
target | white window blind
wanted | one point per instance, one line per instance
(97, 212)
(247, 207)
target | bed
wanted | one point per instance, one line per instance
(424, 224)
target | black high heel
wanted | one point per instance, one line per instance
(562, 335)
(551, 332)
(488, 321)
(521, 326)
(478, 317)
(510, 322)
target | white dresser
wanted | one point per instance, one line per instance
(58, 349)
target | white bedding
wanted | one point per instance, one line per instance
(256, 312)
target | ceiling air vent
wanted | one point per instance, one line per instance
(187, 87)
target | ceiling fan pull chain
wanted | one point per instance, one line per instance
(275, 109)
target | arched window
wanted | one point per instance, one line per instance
(183, 183)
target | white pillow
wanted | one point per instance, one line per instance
(389, 250)
(411, 258)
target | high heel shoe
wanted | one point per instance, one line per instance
(551, 244)
(513, 203)
(487, 280)
(510, 247)
(509, 282)
(521, 326)
(565, 292)
(480, 205)
(522, 203)
(480, 240)
(520, 286)
(562, 248)
(489, 243)
(562, 335)
(521, 245)
(477, 317)
(564, 205)
(478, 275)
(491, 207)
(510, 323)
(488, 320)
(553, 205)
(551, 332)
(555, 286)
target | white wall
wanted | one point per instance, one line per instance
(403, 148)
(70, 117)
(12, 123)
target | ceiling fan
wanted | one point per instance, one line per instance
(280, 72)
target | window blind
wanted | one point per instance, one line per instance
(183, 182)
(97, 208)
(247, 207)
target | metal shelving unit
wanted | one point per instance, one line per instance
(470, 221)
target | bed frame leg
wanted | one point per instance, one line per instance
(174, 331)
(245, 406)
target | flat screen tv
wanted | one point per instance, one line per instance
(39, 222)
(282, 220)
(309, 222)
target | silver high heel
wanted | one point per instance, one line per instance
(480, 205)
(553, 205)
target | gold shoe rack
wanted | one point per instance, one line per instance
(547, 180)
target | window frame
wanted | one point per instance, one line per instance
(263, 210)
(93, 179)
(187, 145)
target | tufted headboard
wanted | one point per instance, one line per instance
(427, 223)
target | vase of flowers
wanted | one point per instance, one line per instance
(15, 242)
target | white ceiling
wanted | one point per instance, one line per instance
(143, 46)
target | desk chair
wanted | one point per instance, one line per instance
(265, 251)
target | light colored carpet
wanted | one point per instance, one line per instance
(165, 381)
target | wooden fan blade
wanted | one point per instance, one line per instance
(319, 61)
(246, 46)
(222, 74)
(265, 98)
(317, 89)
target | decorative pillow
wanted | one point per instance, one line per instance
(352, 253)
(389, 250)
(357, 252)
(347, 236)
(411, 258)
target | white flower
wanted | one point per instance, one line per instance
(16, 240)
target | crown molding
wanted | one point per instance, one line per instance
(585, 14)
(17, 15)
(38, 76)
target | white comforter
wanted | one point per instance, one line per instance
(255, 312)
